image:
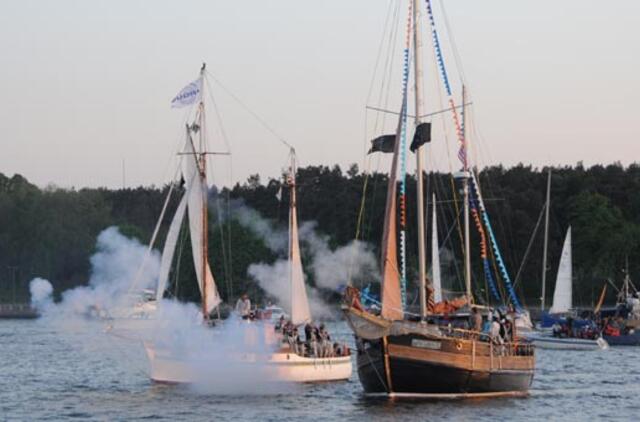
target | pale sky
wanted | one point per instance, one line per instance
(86, 84)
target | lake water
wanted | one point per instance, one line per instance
(80, 373)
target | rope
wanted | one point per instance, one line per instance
(483, 248)
(494, 245)
(251, 112)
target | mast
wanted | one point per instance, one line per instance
(419, 157)
(292, 210)
(546, 242)
(203, 177)
(300, 312)
(465, 187)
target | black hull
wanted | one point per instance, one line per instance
(417, 377)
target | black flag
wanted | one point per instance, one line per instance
(422, 136)
(384, 143)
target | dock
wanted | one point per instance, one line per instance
(18, 311)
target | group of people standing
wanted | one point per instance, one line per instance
(317, 340)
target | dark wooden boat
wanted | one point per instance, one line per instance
(423, 357)
(403, 358)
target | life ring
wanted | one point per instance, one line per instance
(458, 346)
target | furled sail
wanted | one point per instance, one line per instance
(170, 246)
(563, 291)
(435, 257)
(391, 293)
(197, 205)
(299, 303)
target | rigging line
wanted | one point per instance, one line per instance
(380, 48)
(153, 237)
(454, 213)
(390, 64)
(454, 47)
(223, 132)
(251, 112)
(526, 253)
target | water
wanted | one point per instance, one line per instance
(78, 372)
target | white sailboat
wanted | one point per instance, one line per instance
(235, 348)
(562, 304)
(288, 365)
(562, 294)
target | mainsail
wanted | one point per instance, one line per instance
(391, 293)
(299, 303)
(563, 291)
(435, 257)
(197, 205)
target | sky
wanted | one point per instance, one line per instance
(86, 85)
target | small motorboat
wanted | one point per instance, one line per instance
(549, 341)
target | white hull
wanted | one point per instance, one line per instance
(557, 343)
(275, 367)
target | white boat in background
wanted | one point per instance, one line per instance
(273, 314)
(548, 341)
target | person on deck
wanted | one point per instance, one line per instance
(476, 320)
(325, 342)
(495, 331)
(243, 306)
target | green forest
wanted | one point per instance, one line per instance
(52, 232)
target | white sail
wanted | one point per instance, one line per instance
(170, 247)
(299, 302)
(435, 257)
(562, 293)
(197, 204)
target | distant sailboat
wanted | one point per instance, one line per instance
(562, 305)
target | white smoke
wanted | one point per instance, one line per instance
(275, 240)
(41, 291)
(274, 280)
(116, 267)
(331, 269)
(223, 360)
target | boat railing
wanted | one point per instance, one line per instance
(512, 348)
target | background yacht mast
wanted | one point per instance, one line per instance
(546, 242)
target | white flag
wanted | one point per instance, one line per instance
(188, 95)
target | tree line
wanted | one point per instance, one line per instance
(51, 232)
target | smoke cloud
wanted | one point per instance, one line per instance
(116, 266)
(228, 360)
(331, 269)
(41, 293)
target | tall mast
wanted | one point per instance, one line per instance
(465, 187)
(292, 209)
(546, 242)
(417, 59)
(203, 176)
